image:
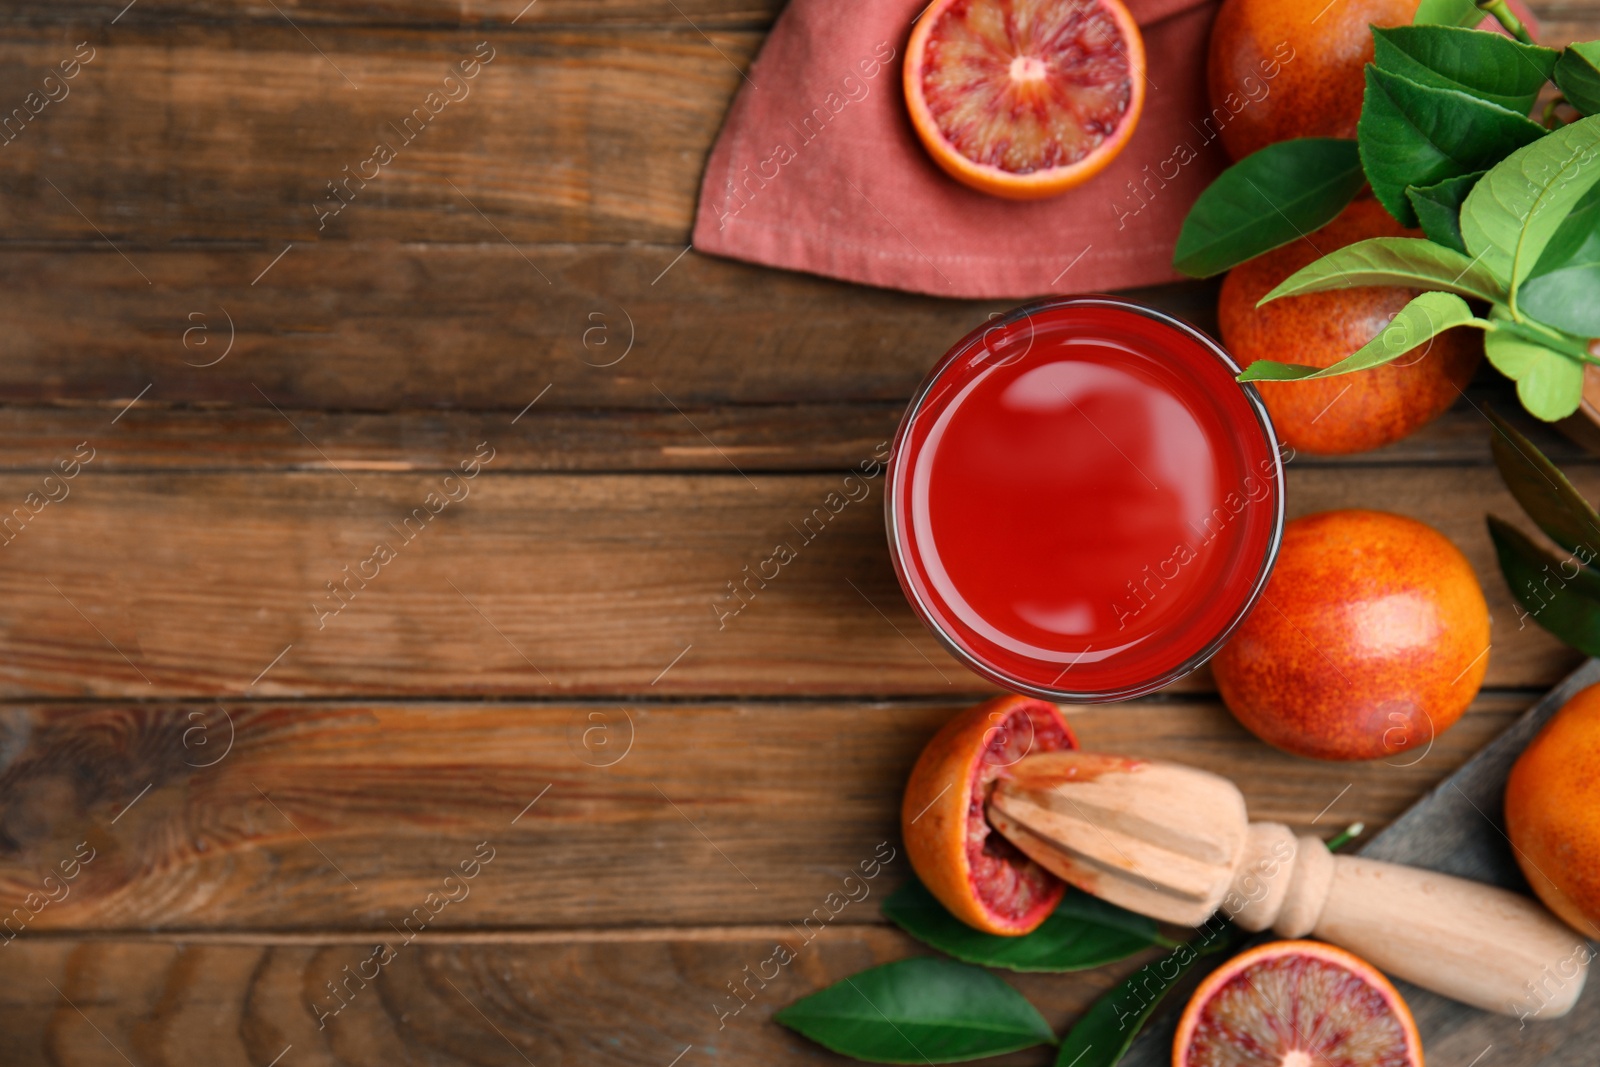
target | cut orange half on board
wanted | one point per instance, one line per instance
(1296, 1004)
(1025, 98)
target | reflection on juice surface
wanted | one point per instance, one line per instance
(1085, 501)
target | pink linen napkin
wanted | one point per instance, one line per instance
(818, 168)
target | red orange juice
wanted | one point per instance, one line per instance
(1082, 501)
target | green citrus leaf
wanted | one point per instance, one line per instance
(1575, 232)
(1578, 76)
(921, 1010)
(1410, 262)
(1566, 299)
(1101, 1036)
(1561, 290)
(1438, 208)
(1485, 65)
(1549, 499)
(1083, 932)
(1514, 211)
(1427, 316)
(1549, 384)
(1448, 13)
(1267, 199)
(1560, 594)
(1420, 135)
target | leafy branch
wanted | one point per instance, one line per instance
(1510, 210)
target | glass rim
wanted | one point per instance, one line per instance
(930, 618)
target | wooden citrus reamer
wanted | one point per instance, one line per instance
(1174, 843)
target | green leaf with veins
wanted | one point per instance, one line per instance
(1549, 499)
(1419, 135)
(1082, 932)
(1577, 75)
(1576, 231)
(1424, 318)
(1267, 199)
(1514, 211)
(920, 1010)
(1485, 65)
(1549, 384)
(1448, 13)
(1410, 262)
(1564, 289)
(1560, 594)
(1438, 208)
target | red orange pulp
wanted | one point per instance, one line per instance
(1296, 1004)
(1024, 98)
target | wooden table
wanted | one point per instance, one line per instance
(257, 769)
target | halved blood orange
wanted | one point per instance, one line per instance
(1025, 98)
(983, 879)
(1296, 1004)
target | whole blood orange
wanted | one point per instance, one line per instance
(1553, 812)
(1296, 1004)
(1353, 412)
(980, 876)
(1291, 68)
(1371, 638)
(1024, 98)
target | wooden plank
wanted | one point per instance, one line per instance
(497, 15)
(185, 584)
(204, 133)
(613, 332)
(344, 817)
(152, 436)
(377, 326)
(808, 397)
(74, 1003)
(610, 1005)
(764, 438)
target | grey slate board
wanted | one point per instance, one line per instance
(1456, 829)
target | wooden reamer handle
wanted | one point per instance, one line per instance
(1488, 947)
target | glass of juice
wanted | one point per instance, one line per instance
(1083, 502)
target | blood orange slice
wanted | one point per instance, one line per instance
(983, 879)
(1025, 98)
(1296, 1004)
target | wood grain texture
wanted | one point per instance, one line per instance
(342, 817)
(182, 584)
(90, 1002)
(186, 560)
(381, 373)
(376, 326)
(152, 436)
(500, 15)
(638, 1004)
(204, 133)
